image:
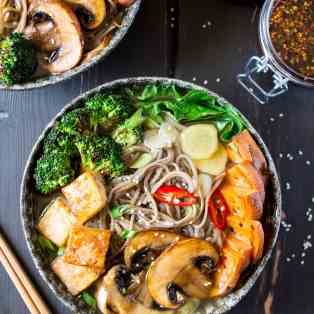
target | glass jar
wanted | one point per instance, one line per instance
(270, 62)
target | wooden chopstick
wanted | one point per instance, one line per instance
(30, 296)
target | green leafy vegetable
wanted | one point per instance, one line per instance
(127, 234)
(119, 210)
(47, 246)
(195, 105)
(89, 299)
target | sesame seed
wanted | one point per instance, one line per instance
(272, 119)
(293, 255)
(209, 23)
(281, 115)
(303, 254)
(171, 9)
(205, 82)
(302, 262)
(308, 162)
(300, 152)
(173, 19)
(288, 259)
(280, 155)
(172, 25)
(309, 236)
(204, 26)
(4, 115)
(218, 79)
(288, 186)
(194, 79)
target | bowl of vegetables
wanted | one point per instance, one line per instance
(136, 173)
(47, 41)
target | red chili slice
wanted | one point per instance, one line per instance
(218, 210)
(171, 194)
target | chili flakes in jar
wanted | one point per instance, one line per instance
(292, 34)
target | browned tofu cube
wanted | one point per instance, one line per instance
(56, 222)
(86, 196)
(87, 246)
(76, 278)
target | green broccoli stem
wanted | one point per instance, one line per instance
(136, 120)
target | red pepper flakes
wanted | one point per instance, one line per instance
(292, 34)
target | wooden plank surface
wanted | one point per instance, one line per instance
(208, 43)
(142, 52)
(216, 39)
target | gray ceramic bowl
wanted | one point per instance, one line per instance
(32, 204)
(118, 35)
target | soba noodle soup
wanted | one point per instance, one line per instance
(162, 192)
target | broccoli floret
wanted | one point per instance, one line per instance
(130, 132)
(60, 141)
(100, 154)
(108, 111)
(53, 171)
(75, 122)
(17, 59)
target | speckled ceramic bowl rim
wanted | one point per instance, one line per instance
(222, 305)
(119, 34)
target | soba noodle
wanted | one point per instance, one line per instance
(169, 167)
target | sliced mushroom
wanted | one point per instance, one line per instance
(64, 41)
(90, 12)
(146, 246)
(113, 288)
(173, 273)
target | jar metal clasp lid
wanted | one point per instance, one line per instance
(258, 65)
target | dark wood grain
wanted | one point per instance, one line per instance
(142, 52)
(221, 51)
(216, 54)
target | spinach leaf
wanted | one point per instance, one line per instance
(47, 246)
(193, 106)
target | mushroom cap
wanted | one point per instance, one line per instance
(175, 267)
(96, 7)
(149, 239)
(69, 34)
(115, 300)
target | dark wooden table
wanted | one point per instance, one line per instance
(207, 42)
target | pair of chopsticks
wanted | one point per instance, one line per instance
(30, 296)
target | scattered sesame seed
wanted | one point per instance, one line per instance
(312, 199)
(307, 245)
(205, 82)
(303, 254)
(288, 186)
(308, 162)
(4, 115)
(171, 9)
(172, 25)
(194, 79)
(288, 259)
(309, 236)
(272, 119)
(218, 79)
(302, 262)
(209, 23)
(280, 155)
(173, 18)
(204, 26)
(300, 152)
(293, 255)
(281, 115)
